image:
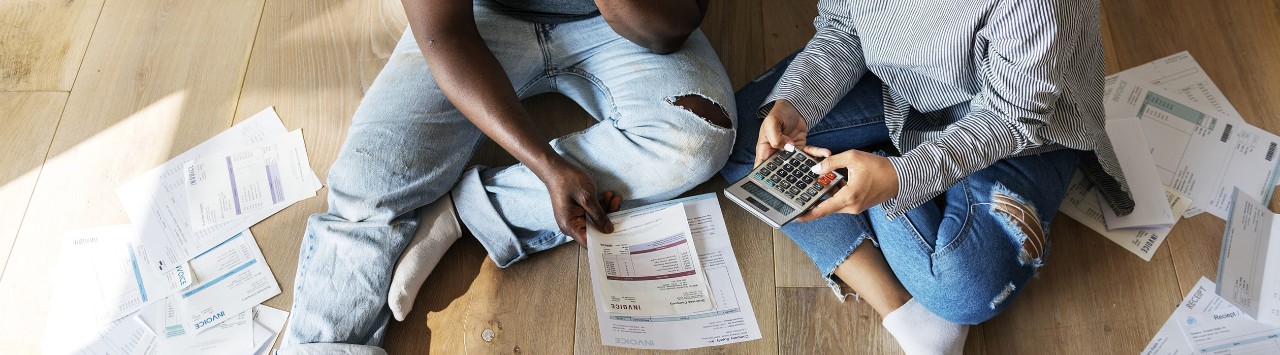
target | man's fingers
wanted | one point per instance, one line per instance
(598, 216)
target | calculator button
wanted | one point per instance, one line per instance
(807, 196)
(782, 185)
(794, 190)
(769, 182)
(814, 189)
(759, 176)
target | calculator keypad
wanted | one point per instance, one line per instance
(788, 174)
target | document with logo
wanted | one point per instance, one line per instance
(232, 336)
(1198, 152)
(649, 265)
(1171, 339)
(100, 277)
(232, 184)
(731, 318)
(156, 201)
(1230, 332)
(1249, 267)
(1083, 205)
(229, 279)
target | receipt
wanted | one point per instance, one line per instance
(1230, 332)
(1249, 266)
(233, 336)
(1171, 340)
(230, 185)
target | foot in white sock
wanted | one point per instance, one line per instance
(920, 332)
(437, 230)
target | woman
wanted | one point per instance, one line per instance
(980, 111)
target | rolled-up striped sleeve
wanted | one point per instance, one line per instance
(1029, 42)
(828, 67)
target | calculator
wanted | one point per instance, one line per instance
(782, 187)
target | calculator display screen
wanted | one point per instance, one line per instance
(768, 198)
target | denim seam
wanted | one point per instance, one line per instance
(597, 83)
(961, 234)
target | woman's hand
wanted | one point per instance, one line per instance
(869, 181)
(783, 126)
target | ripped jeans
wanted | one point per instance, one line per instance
(966, 255)
(408, 146)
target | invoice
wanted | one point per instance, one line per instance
(1249, 266)
(649, 265)
(229, 185)
(732, 320)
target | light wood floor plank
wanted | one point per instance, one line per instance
(43, 41)
(26, 134)
(160, 77)
(1091, 297)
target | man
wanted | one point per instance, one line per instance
(640, 67)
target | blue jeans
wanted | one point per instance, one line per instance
(960, 256)
(408, 146)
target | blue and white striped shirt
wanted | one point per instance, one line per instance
(967, 83)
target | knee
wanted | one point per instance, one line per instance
(1021, 222)
(705, 109)
(972, 300)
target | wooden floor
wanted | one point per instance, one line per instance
(95, 92)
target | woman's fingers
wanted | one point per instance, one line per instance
(816, 151)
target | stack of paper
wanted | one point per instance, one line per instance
(1183, 150)
(187, 277)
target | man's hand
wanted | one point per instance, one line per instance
(784, 126)
(870, 180)
(574, 202)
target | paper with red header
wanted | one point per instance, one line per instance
(649, 265)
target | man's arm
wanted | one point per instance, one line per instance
(659, 25)
(473, 80)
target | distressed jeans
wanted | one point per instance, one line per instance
(408, 146)
(966, 255)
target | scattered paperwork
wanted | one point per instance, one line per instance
(1208, 324)
(187, 277)
(1198, 152)
(732, 319)
(157, 201)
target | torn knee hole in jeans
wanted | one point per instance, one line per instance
(705, 108)
(1024, 225)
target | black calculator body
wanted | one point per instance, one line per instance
(782, 187)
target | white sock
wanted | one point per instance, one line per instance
(437, 230)
(920, 332)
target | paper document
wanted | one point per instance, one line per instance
(229, 185)
(1197, 152)
(1083, 204)
(156, 201)
(1249, 266)
(229, 279)
(1230, 332)
(1171, 339)
(1180, 74)
(732, 319)
(233, 336)
(100, 277)
(1151, 207)
(267, 325)
(649, 265)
